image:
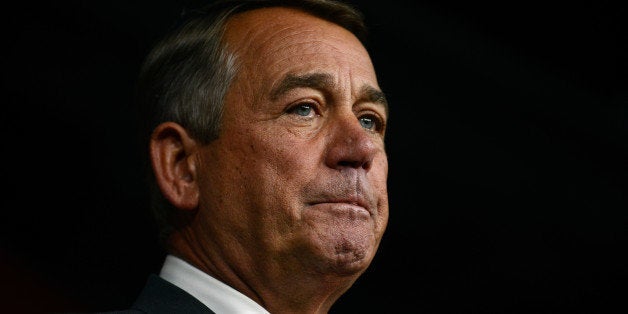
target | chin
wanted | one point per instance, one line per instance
(339, 244)
(348, 258)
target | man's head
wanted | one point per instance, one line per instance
(186, 75)
(281, 192)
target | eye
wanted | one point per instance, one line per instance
(371, 122)
(303, 109)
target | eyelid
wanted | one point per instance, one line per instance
(374, 108)
(379, 121)
(315, 106)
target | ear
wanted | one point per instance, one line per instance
(172, 154)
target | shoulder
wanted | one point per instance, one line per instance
(160, 296)
(131, 311)
(124, 311)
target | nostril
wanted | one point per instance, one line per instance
(345, 163)
(354, 164)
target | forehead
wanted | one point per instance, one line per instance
(288, 40)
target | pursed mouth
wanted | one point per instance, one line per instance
(355, 204)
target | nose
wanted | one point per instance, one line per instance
(351, 145)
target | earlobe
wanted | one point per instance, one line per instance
(172, 157)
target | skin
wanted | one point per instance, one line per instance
(289, 204)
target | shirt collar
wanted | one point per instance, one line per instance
(216, 295)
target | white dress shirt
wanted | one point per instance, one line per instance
(219, 297)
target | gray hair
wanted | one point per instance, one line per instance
(186, 76)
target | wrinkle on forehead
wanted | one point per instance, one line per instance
(267, 31)
(273, 42)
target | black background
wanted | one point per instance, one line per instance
(508, 146)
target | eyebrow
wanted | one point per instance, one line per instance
(371, 94)
(322, 81)
(313, 80)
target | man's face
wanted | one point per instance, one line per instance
(296, 180)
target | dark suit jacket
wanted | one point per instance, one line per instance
(161, 297)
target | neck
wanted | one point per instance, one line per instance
(277, 290)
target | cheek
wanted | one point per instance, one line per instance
(285, 161)
(379, 179)
(278, 171)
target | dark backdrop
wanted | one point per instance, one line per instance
(508, 148)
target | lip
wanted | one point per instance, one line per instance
(357, 203)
